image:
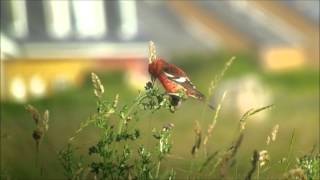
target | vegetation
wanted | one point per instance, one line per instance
(113, 156)
(124, 149)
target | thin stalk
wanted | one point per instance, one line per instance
(191, 169)
(158, 169)
(214, 83)
(258, 172)
(37, 153)
(292, 141)
(134, 105)
(214, 120)
(236, 173)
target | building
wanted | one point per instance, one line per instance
(49, 45)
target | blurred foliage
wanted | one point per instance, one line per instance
(310, 164)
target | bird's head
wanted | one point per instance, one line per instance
(155, 67)
(155, 64)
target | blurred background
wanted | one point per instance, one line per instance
(49, 48)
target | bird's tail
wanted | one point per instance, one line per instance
(197, 95)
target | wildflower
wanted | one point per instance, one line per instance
(264, 158)
(167, 127)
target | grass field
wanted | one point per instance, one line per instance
(295, 98)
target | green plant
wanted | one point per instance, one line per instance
(310, 164)
(73, 167)
(119, 153)
(113, 156)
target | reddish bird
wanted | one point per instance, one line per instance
(173, 79)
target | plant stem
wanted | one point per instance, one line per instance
(134, 105)
(292, 141)
(37, 153)
(191, 169)
(158, 169)
(258, 172)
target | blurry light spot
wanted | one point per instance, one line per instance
(37, 86)
(18, 89)
(241, 5)
(60, 83)
(245, 93)
(136, 79)
(283, 58)
(252, 93)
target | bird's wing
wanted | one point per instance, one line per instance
(178, 76)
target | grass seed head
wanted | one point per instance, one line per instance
(98, 87)
(264, 158)
(273, 136)
(37, 135)
(198, 138)
(34, 113)
(274, 132)
(268, 140)
(46, 120)
(152, 52)
(218, 77)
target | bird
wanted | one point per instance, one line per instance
(174, 80)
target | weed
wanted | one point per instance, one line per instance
(310, 164)
(73, 168)
(42, 126)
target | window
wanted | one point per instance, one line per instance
(58, 18)
(89, 18)
(19, 17)
(128, 17)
